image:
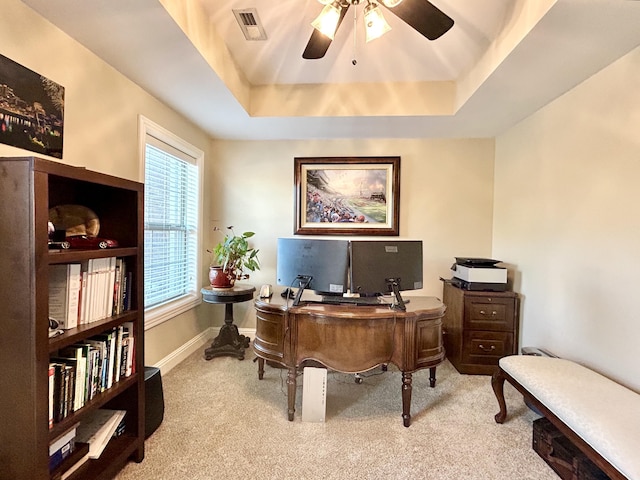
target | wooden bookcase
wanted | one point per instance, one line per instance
(28, 188)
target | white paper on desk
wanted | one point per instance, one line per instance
(98, 428)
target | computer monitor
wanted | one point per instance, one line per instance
(320, 265)
(386, 266)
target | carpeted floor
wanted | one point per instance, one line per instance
(221, 422)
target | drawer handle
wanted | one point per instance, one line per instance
(490, 349)
(482, 312)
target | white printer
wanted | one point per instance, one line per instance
(479, 274)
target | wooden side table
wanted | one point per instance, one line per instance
(229, 342)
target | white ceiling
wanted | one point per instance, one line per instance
(501, 61)
(400, 55)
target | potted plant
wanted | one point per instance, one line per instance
(231, 258)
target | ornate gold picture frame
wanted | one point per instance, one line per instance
(347, 195)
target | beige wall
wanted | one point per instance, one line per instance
(101, 124)
(446, 197)
(567, 213)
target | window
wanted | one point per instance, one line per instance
(172, 179)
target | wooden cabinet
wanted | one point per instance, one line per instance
(479, 328)
(28, 188)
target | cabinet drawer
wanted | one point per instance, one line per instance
(486, 347)
(489, 313)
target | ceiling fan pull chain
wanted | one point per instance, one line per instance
(354, 62)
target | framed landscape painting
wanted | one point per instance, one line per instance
(347, 195)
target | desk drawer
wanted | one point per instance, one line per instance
(489, 313)
(269, 339)
(486, 348)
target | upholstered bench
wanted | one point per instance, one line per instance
(598, 415)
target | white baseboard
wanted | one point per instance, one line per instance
(196, 343)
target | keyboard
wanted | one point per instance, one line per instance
(337, 300)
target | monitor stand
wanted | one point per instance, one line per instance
(305, 280)
(398, 304)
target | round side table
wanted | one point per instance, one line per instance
(229, 342)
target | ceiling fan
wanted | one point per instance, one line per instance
(421, 15)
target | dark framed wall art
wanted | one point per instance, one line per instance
(31, 110)
(347, 195)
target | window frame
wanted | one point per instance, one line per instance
(158, 314)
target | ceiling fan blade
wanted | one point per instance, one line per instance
(319, 43)
(424, 17)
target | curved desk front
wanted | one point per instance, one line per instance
(350, 339)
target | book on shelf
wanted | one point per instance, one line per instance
(84, 291)
(82, 353)
(77, 458)
(64, 294)
(125, 354)
(61, 447)
(56, 394)
(117, 364)
(52, 383)
(68, 384)
(78, 372)
(102, 288)
(111, 346)
(97, 429)
(131, 351)
(118, 286)
(100, 345)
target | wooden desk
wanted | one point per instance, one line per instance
(350, 339)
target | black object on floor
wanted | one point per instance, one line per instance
(154, 400)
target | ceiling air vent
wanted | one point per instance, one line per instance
(250, 23)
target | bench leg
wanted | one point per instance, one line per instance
(497, 382)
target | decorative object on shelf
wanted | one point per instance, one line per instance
(56, 239)
(84, 241)
(74, 220)
(347, 196)
(231, 257)
(75, 226)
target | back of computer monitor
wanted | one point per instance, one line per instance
(375, 264)
(325, 262)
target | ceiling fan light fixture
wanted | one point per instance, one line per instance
(391, 3)
(325, 2)
(374, 22)
(327, 22)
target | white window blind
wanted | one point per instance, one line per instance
(170, 224)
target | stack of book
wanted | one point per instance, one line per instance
(85, 440)
(79, 372)
(94, 289)
(66, 454)
(62, 447)
(98, 428)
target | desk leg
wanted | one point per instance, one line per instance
(406, 398)
(260, 368)
(291, 397)
(432, 377)
(229, 342)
